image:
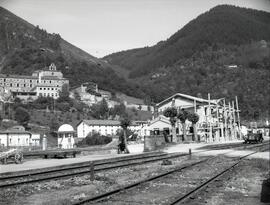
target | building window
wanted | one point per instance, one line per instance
(52, 88)
(10, 84)
(30, 81)
(44, 88)
(18, 85)
(4, 80)
(40, 88)
(24, 85)
(30, 85)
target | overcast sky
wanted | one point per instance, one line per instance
(101, 27)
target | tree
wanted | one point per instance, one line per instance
(194, 118)
(100, 110)
(125, 123)
(171, 113)
(182, 116)
(119, 110)
(64, 94)
(22, 116)
(54, 124)
(104, 109)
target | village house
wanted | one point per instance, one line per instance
(105, 127)
(46, 83)
(17, 137)
(89, 94)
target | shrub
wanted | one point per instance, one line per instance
(95, 139)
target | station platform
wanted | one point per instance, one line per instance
(134, 150)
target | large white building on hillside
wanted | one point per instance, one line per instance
(46, 83)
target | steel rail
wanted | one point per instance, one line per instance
(87, 168)
(203, 185)
(118, 190)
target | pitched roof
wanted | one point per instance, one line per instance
(160, 118)
(104, 122)
(188, 97)
(18, 76)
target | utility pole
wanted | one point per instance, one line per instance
(225, 121)
(218, 125)
(230, 117)
(234, 125)
(210, 120)
(238, 116)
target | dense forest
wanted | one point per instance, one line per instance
(225, 52)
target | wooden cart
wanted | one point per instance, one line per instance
(13, 154)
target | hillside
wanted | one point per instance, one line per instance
(225, 52)
(25, 48)
(222, 25)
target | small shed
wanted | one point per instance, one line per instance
(65, 136)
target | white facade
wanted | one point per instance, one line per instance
(17, 136)
(42, 83)
(189, 103)
(65, 137)
(103, 127)
(107, 127)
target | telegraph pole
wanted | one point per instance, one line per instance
(225, 120)
(234, 131)
(210, 123)
(218, 125)
(238, 116)
(230, 117)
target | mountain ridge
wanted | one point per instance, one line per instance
(196, 36)
(25, 48)
(224, 51)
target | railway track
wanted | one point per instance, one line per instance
(26, 177)
(108, 197)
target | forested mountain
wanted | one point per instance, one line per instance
(222, 25)
(25, 48)
(224, 51)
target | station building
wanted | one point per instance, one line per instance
(217, 121)
(46, 83)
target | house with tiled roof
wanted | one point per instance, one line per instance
(103, 127)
